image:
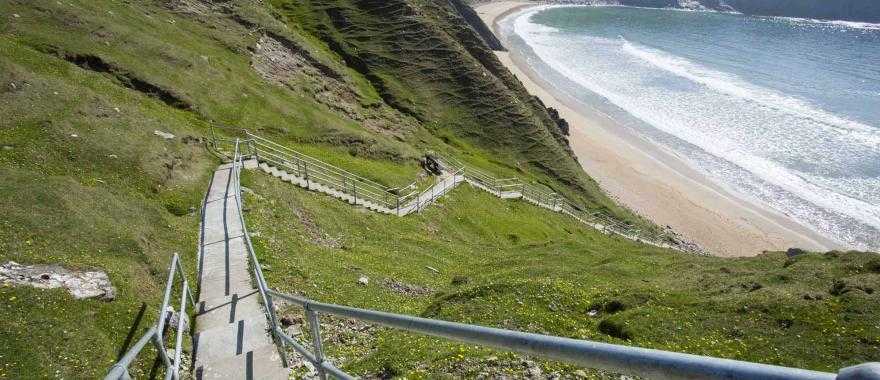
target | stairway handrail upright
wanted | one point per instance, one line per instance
(315, 160)
(155, 333)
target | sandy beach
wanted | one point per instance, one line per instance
(653, 182)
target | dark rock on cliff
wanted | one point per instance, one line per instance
(560, 122)
(474, 20)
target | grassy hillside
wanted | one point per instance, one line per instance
(88, 185)
(512, 265)
(369, 85)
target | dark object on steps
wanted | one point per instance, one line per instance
(432, 165)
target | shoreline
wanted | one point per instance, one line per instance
(652, 182)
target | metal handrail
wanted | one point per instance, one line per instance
(308, 158)
(237, 165)
(648, 363)
(316, 164)
(558, 203)
(155, 334)
(312, 169)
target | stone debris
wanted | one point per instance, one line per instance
(164, 135)
(364, 280)
(81, 285)
(172, 317)
(335, 331)
(283, 62)
(408, 289)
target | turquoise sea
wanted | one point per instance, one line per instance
(784, 112)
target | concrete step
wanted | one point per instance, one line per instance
(229, 309)
(207, 303)
(215, 227)
(262, 363)
(217, 189)
(215, 256)
(251, 163)
(231, 340)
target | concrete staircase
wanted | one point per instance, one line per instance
(231, 340)
(314, 186)
(445, 183)
(313, 174)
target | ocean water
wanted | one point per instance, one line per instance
(782, 111)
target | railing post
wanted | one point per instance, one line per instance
(160, 325)
(315, 326)
(398, 205)
(174, 372)
(160, 346)
(354, 191)
(273, 324)
(306, 174)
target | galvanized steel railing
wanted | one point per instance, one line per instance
(155, 334)
(642, 362)
(312, 169)
(516, 188)
(648, 363)
(359, 188)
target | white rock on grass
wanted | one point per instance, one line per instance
(364, 280)
(164, 135)
(81, 285)
(173, 319)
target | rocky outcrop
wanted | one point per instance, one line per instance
(81, 285)
(282, 62)
(474, 20)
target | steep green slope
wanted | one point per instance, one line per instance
(426, 61)
(88, 185)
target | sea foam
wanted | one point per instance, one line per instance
(727, 117)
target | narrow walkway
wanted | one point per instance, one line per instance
(231, 339)
(445, 183)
